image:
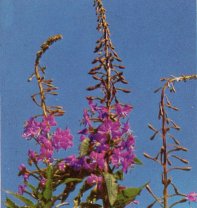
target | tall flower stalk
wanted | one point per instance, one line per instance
(170, 146)
(107, 148)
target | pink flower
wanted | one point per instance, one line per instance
(32, 155)
(32, 129)
(22, 168)
(83, 131)
(46, 148)
(43, 181)
(71, 161)
(26, 176)
(126, 128)
(94, 179)
(62, 139)
(47, 123)
(98, 158)
(109, 127)
(135, 202)
(21, 189)
(92, 105)
(122, 110)
(102, 111)
(62, 165)
(86, 118)
(192, 197)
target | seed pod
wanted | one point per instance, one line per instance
(152, 128)
(94, 87)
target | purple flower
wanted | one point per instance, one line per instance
(126, 128)
(47, 122)
(43, 181)
(62, 139)
(82, 137)
(86, 118)
(46, 148)
(116, 157)
(31, 129)
(62, 165)
(70, 160)
(26, 176)
(122, 110)
(103, 112)
(122, 156)
(32, 155)
(192, 197)
(73, 162)
(83, 131)
(22, 168)
(98, 158)
(84, 161)
(94, 179)
(127, 161)
(21, 189)
(100, 147)
(109, 127)
(92, 105)
(128, 143)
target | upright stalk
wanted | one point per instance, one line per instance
(164, 149)
(45, 86)
(170, 145)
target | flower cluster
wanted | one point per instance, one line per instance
(49, 142)
(94, 179)
(110, 142)
(192, 197)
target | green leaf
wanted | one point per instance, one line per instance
(33, 188)
(84, 147)
(10, 204)
(68, 180)
(89, 205)
(22, 198)
(83, 189)
(112, 187)
(48, 187)
(119, 175)
(138, 161)
(48, 204)
(127, 195)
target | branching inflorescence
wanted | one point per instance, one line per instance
(170, 145)
(107, 148)
(45, 85)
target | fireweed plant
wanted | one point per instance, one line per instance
(168, 154)
(107, 148)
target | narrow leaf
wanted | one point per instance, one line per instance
(22, 198)
(33, 188)
(89, 205)
(10, 204)
(119, 175)
(126, 196)
(48, 188)
(138, 161)
(112, 187)
(68, 180)
(84, 147)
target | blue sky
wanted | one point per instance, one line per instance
(154, 38)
